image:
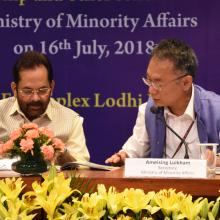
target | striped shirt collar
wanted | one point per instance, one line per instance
(16, 110)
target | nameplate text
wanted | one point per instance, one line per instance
(178, 168)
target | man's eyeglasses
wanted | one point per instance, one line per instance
(29, 92)
(158, 85)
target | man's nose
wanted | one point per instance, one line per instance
(152, 90)
(35, 96)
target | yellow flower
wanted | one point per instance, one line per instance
(70, 212)
(126, 217)
(123, 217)
(11, 206)
(168, 201)
(190, 209)
(114, 201)
(11, 188)
(56, 197)
(112, 197)
(102, 190)
(14, 210)
(51, 193)
(92, 207)
(136, 200)
(214, 207)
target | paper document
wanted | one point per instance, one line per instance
(5, 163)
(75, 164)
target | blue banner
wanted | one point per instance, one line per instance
(100, 50)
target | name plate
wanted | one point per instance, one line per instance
(178, 168)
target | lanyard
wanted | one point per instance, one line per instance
(184, 138)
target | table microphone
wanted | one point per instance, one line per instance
(156, 110)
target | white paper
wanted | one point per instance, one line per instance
(5, 163)
(76, 164)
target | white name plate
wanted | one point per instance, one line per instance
(178, 168)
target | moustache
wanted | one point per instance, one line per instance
(35, 104)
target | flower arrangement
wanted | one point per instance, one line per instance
(59, 200)
(30, 140)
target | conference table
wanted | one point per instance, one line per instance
(208, 187)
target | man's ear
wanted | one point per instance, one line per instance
(14, 89)
(187, 82)
(52, 85)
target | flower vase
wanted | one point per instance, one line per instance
(30, 165)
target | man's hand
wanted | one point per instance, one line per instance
(117, 158)
(64, 157)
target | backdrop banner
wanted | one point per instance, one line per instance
(100, 50)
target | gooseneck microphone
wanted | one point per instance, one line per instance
(156, 110)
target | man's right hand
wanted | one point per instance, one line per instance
(117, 158)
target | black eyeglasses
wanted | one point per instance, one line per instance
(159, 86)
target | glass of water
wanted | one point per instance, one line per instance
(208, 152)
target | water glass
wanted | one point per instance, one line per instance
(208, 152)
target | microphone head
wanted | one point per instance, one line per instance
(154, 109)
